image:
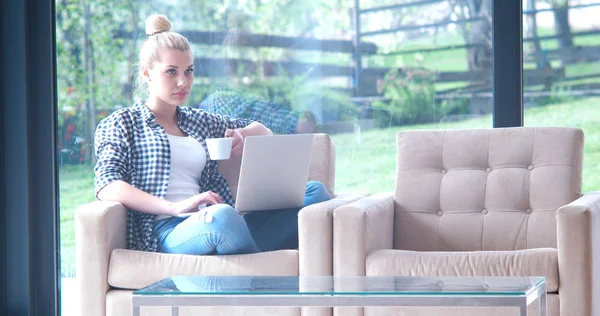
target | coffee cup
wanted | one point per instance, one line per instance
(219, 148)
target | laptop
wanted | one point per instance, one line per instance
(273, 172)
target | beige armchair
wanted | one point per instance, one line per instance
(107, 273)
(490, 202)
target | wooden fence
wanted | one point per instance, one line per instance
(364, 79)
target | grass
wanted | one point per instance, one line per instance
(377, 147)
(365, 161)
(454, 60)
(76, 187)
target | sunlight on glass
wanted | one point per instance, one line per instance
(358, 74)
(562, 60)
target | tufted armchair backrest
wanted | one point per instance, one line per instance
(484, 189)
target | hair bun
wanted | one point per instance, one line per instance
(157, 23)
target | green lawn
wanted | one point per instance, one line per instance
(365, 161)
(76, 187)
(455, 60)
(378, 146)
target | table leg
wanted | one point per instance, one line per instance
(174, 310)
(523, 310)
(136, 311)
(542, 304)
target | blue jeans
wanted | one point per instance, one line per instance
(220, 229)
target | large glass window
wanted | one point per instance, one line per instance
(560, 51)
(358, 73)
(431, 69)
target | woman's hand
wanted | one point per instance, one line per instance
(239, 135)
(237, 144)
(190, 205)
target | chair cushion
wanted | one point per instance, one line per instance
(129, 269)
(529, 262)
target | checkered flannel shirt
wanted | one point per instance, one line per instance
(130, 146)
(230, 103)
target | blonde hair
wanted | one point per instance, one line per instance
(160, 36)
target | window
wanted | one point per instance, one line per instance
(560, 52)
(438, 52)
(414, 65)
(85, 37)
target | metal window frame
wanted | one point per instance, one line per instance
(507, 48)
(3, 254)
(30, 202)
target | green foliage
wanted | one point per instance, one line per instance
(558, 94)
(96, 74)
(92, 68)
(299, 92)
(96, 68)
(411, 99)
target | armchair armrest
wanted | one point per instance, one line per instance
(315, 235)
(578, 225)
(358, 228)
(100, 227)
(315, 241)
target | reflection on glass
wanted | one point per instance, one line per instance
(232, 100)
(561, 61)
(370, 285)
(280, 119)
(298, 67)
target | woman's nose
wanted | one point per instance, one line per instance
(181, 82)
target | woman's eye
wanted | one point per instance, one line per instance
(171, 71)
(190, 71)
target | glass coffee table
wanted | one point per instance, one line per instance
(367, 291)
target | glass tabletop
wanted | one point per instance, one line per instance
(370, 285)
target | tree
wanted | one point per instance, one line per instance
(561, 23)
(479, 55)
(531, 18)
(90, 65)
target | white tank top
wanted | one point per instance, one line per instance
(188, 159)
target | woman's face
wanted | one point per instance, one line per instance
(171, 78)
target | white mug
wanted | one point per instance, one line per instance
(219, 148)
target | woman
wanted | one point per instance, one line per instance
(152, 158)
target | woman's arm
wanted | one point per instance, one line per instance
(255, 129)
(111, 176)
(240, 134)
(133, 198)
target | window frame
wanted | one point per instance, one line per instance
(507, 63)
(29, 186)
(3, 307)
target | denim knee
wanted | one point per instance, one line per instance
(315, 185)
(227, 220)
(315, 192)
(224, 212)
(218, 229)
